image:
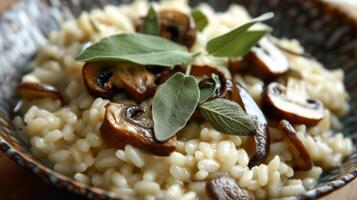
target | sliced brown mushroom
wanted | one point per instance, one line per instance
(266, 60)
(292, 103)
(237, 65)
(301, 157)
(121, 127)
(103, 79)
(178, 27)
(175, 26)
(38, 90)
(226, 188)
(261, 138)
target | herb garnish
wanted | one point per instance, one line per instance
(227, 117)
(137, 48)
(200, 19)
(239, 41)
(178, 98)
(173, 105)
(151, 24)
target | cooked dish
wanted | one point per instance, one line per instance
(163, 101)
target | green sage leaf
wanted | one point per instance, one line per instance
(151, 23)
(173, 105)
(137, 48)
(200, 19)
(228, 117)
(208, 87)
(239, 41)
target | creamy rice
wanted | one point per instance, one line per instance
(68, 136)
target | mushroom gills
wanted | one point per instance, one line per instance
(300, 154)
(266, 60)
(261, 142)
(104, 79)
(292, 103)
(121, 127)
(39, 90)
(226, 188)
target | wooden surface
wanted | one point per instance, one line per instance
(17, 183)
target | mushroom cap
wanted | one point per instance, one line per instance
(267, 60)
(301, 156)
(226, 188)
(103, 79)
(261, 142)
(292, 105)
(178, 27)
(121, 127)
(38, 90)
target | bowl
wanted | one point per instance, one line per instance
(323, 30)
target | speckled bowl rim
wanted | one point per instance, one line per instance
(63, 182)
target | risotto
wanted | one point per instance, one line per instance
(76, 121)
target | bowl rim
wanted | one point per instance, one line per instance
(61, 181)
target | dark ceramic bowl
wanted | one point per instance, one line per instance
(327, 34)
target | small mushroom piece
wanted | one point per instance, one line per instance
(301, 157)
(121, 126)
(103, 79)
(267, 61)
(292, 103)
(38, 90)
(261, 138)
(226, 188)
(224, 90)
(178, 27)
(237, 65)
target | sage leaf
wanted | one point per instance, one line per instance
(228, 117)
(137, 48)
(151, 23)
(208, 87)
(200, 19)
(173, 104)
(239, 41)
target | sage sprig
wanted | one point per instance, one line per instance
(208, 87)
(239, 41)
(151, 24)
(137, 48)
(200, 19)
(228, 117)
(173, 105)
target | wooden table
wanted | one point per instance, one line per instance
(17, 183)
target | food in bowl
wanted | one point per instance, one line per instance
(169, 102)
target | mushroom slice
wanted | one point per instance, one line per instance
(237, 65)
(137, 81)
(292, 103)
(300, 155)
(261, 138)
(226, 188)
(121, 127)
(38, 90)
(224, 89)
(97, 79)
(178, 27)
(267, 60)
(102, 79)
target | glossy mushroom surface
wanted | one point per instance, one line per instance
(121, 127)
(266, 60)
(178, 27)
(291, 102)
(38, 90)
(226, 188)
(301, 156)
(261, 137)
(104, 79)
